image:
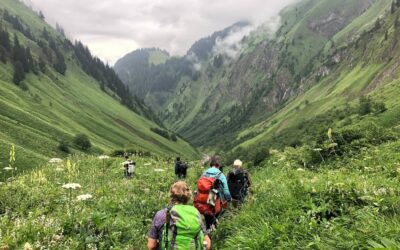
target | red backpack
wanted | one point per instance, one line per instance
(207, 199)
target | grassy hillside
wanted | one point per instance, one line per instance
(348, 203)
(271, 69)
(363, 67)
(56, 107)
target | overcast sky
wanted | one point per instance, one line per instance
(113, 28)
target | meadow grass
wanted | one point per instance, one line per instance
(36, 209)
(348, 203)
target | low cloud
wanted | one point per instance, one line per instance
(112, 28)
(233, 44)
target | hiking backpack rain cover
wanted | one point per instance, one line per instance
(207, 200)
(182, 229)
(237, 183)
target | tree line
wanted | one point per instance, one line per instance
(52, 52)
(20, 56)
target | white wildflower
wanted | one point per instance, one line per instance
(84, 197)
(72, 186)
(159, 170)
(55, 160)
(28, 246)
(317, 149)
(103, 157)
(381, 191)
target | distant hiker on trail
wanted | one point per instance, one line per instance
(129, 167)
(179, 226)
(212, 194)
(239, 182)
(180, 168)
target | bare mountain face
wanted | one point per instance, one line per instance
(215, 96)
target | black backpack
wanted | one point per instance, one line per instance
(238, 183)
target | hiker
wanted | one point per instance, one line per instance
(180, 168)
(184, 168)
(213, 194)
(239, 183)
(129, 167)
(179, 226)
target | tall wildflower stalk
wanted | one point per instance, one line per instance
(11, 163)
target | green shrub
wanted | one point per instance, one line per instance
(260, 155)
(364, 105)
(63, 146)
(82, 142)
(117, 153)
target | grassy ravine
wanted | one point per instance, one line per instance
(349, 203)
(34, 208)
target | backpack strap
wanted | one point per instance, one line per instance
(167, 225)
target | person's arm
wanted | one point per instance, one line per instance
(227, 194)
(152, 244)
(207, 239)
(156, 226)
(248, 179)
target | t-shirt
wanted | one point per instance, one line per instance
(157, 225)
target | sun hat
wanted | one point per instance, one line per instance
(237, 163)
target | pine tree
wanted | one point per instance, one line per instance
(45, 34)
(19, 74)
(42, 65)
(60, 29)
(60, 65)
(393, 7)
(29, 59)
(5, 39)
(41, 15)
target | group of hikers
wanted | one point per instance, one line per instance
(180, 225)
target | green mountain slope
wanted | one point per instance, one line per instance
(49, 107)
(272, 68)
(364, 66)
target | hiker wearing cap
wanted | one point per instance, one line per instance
(239, 183)
(179, 226)
(129, 167)
(212, 194)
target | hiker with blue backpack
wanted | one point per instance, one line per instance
(179, 226)
(212, 194)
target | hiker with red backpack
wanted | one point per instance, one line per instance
(179, 226)
(213, 194)
(239, 183)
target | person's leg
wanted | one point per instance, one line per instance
(184, 173)
(209, 221)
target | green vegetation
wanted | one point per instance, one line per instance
(42, 208)
(346, 203)
(52, 103)
(313, 112)
(82, 142)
